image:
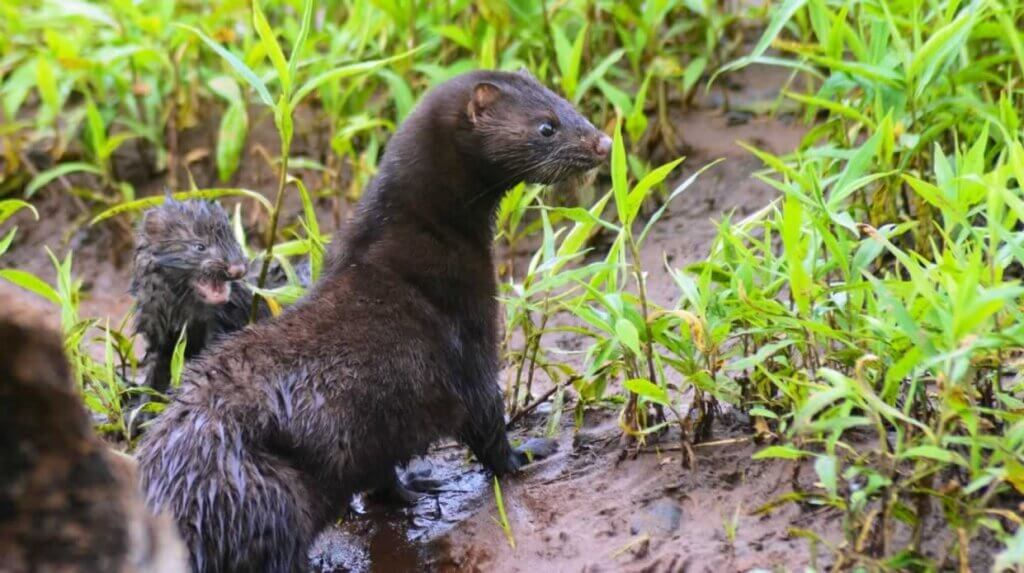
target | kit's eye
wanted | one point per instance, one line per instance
(198, 247)
(546, 129)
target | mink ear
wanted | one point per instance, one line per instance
(154, 222)
(484, 96)
(524, 72)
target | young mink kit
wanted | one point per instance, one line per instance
(67, 503)
(187, 270)
(393, 349)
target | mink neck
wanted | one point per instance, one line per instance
(432, 178)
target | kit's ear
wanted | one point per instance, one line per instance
(155, 222)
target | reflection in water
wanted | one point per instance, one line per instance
(392, 539)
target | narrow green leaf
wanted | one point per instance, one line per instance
(781, 453)
(344, 72)
(143, 204)
(9, 207)
(45, 177)
(272, 47)
(243, 70)
(780, 16)
(300, 40)
(31, 283)
(234, 126)
(620, 175)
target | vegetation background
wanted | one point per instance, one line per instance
(865, 324)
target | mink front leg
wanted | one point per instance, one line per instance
(484, 433)
(159, 375)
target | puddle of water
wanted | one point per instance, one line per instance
(380, 538)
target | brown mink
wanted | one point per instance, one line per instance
(188, 271)
(67, 502)
(394, 348)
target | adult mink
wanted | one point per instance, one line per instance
(395, 347)
(67, 502)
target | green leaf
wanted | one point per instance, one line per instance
(45, 177)
(934, 53)
(234, 126)
(620, 175)
(243, 70)
(836, 107)
(827, 468)
(648, 390)
(9, 207)
(31, 283)
(794, 241)
(312, 227)
(178, 357)
(300, 40)
(344, 72)
(780, 16)
(271, 47)
(47, 84)
(628, 335)
(5, 243)
(639, 193)
(781, 453)
(97, 129)
(401, 93)
(934, 453)
(502, 515)
(597, 73)
(284, 123)
(636, 121)
(569, 58)
(143, 204)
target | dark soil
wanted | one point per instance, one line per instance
(586, 508)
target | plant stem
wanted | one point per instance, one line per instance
(272, 231)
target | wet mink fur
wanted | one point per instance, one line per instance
(179, 243)
(67, 503)
(188, 270)
(394, 348)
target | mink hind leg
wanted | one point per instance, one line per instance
(237, 509)
(484, 432)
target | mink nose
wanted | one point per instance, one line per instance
(236, 271)
(604, 145)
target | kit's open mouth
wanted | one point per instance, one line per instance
(213, 291)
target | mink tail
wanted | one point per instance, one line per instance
(237, 508)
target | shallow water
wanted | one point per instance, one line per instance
(386, 538)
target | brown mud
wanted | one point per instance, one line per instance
(588, 508)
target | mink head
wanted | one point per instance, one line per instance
(528, 133)
(190, 242)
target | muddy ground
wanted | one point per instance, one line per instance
(586, 508)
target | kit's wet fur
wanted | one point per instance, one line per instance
(177, 244)
(395, 347)
(67, 503)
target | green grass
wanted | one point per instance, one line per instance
(869, 319)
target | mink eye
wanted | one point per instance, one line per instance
(546, 129)
(198, 247)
